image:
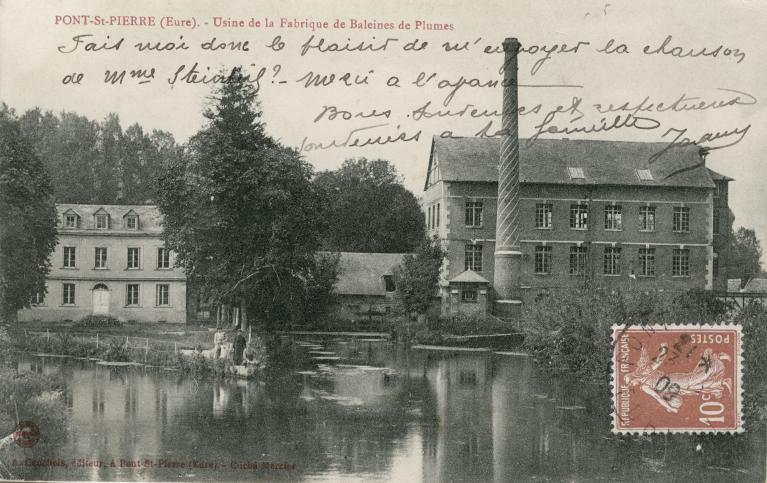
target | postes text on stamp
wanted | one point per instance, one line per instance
(677, 378)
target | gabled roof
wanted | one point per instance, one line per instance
(548, 160)
(469, 276)
(71, 211)
(129, 213)
(362, 273)
(151, 218)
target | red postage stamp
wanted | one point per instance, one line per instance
(677, 378)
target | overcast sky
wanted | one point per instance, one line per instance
(32, 70)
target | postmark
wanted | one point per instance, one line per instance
(27, 434)
(677, 378)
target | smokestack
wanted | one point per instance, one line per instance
(508, 256)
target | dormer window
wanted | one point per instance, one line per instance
(644, 175)
(131, 222)
(71, 219)
(101, 219)
(575, 173)
(102, 222)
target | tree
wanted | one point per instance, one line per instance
(369, 210)
(240, 210)
(418, 278)
(27, 219)
(744, 260)
(91, 162)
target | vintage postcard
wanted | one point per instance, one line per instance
(383, 241)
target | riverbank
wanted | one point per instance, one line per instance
(28, 397)
(160, 354)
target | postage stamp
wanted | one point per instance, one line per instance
(677, 378)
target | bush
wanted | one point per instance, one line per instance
(570, 336)
(753, 318)
(569, 331)
(37, 398)
(97, 322)
(116, 352)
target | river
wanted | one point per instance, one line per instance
(342, 409)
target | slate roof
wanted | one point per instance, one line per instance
(547, 160)
(756, 285)
(362, 273)
(469, 276)
(150, 218)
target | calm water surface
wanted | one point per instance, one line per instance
(367, 410)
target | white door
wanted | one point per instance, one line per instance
(100, 301)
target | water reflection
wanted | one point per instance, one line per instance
(365, 410)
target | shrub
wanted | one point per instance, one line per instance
(570, 336)
(97, 322)
(568, 331)
(116, 352)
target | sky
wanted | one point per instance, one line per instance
(40, 62)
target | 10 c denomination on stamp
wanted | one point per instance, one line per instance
(677, 378)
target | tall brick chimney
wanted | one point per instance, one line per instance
(508, 256)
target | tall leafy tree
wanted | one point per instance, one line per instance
(91, 162)
(369, 209)
(418, 277)
(27, 219)
(240, 209)
(744, 259)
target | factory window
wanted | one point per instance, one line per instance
(647, 262)
(680, 262)
(543, 213)
(474, 213)
(543, 260)
(681, 221)
(613, 217)
(578, 260)
(579, 216)
(473, 258)
(647, 218)
(612, 265)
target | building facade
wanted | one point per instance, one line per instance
(111, 260)
(365, 287)
(590, 212)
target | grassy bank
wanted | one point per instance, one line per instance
(448, 330)
(115, 350)
(28, 397)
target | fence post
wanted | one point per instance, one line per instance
(146, 350)
(47, 335)
(97, 341)
(126, 342)
(175, 347)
